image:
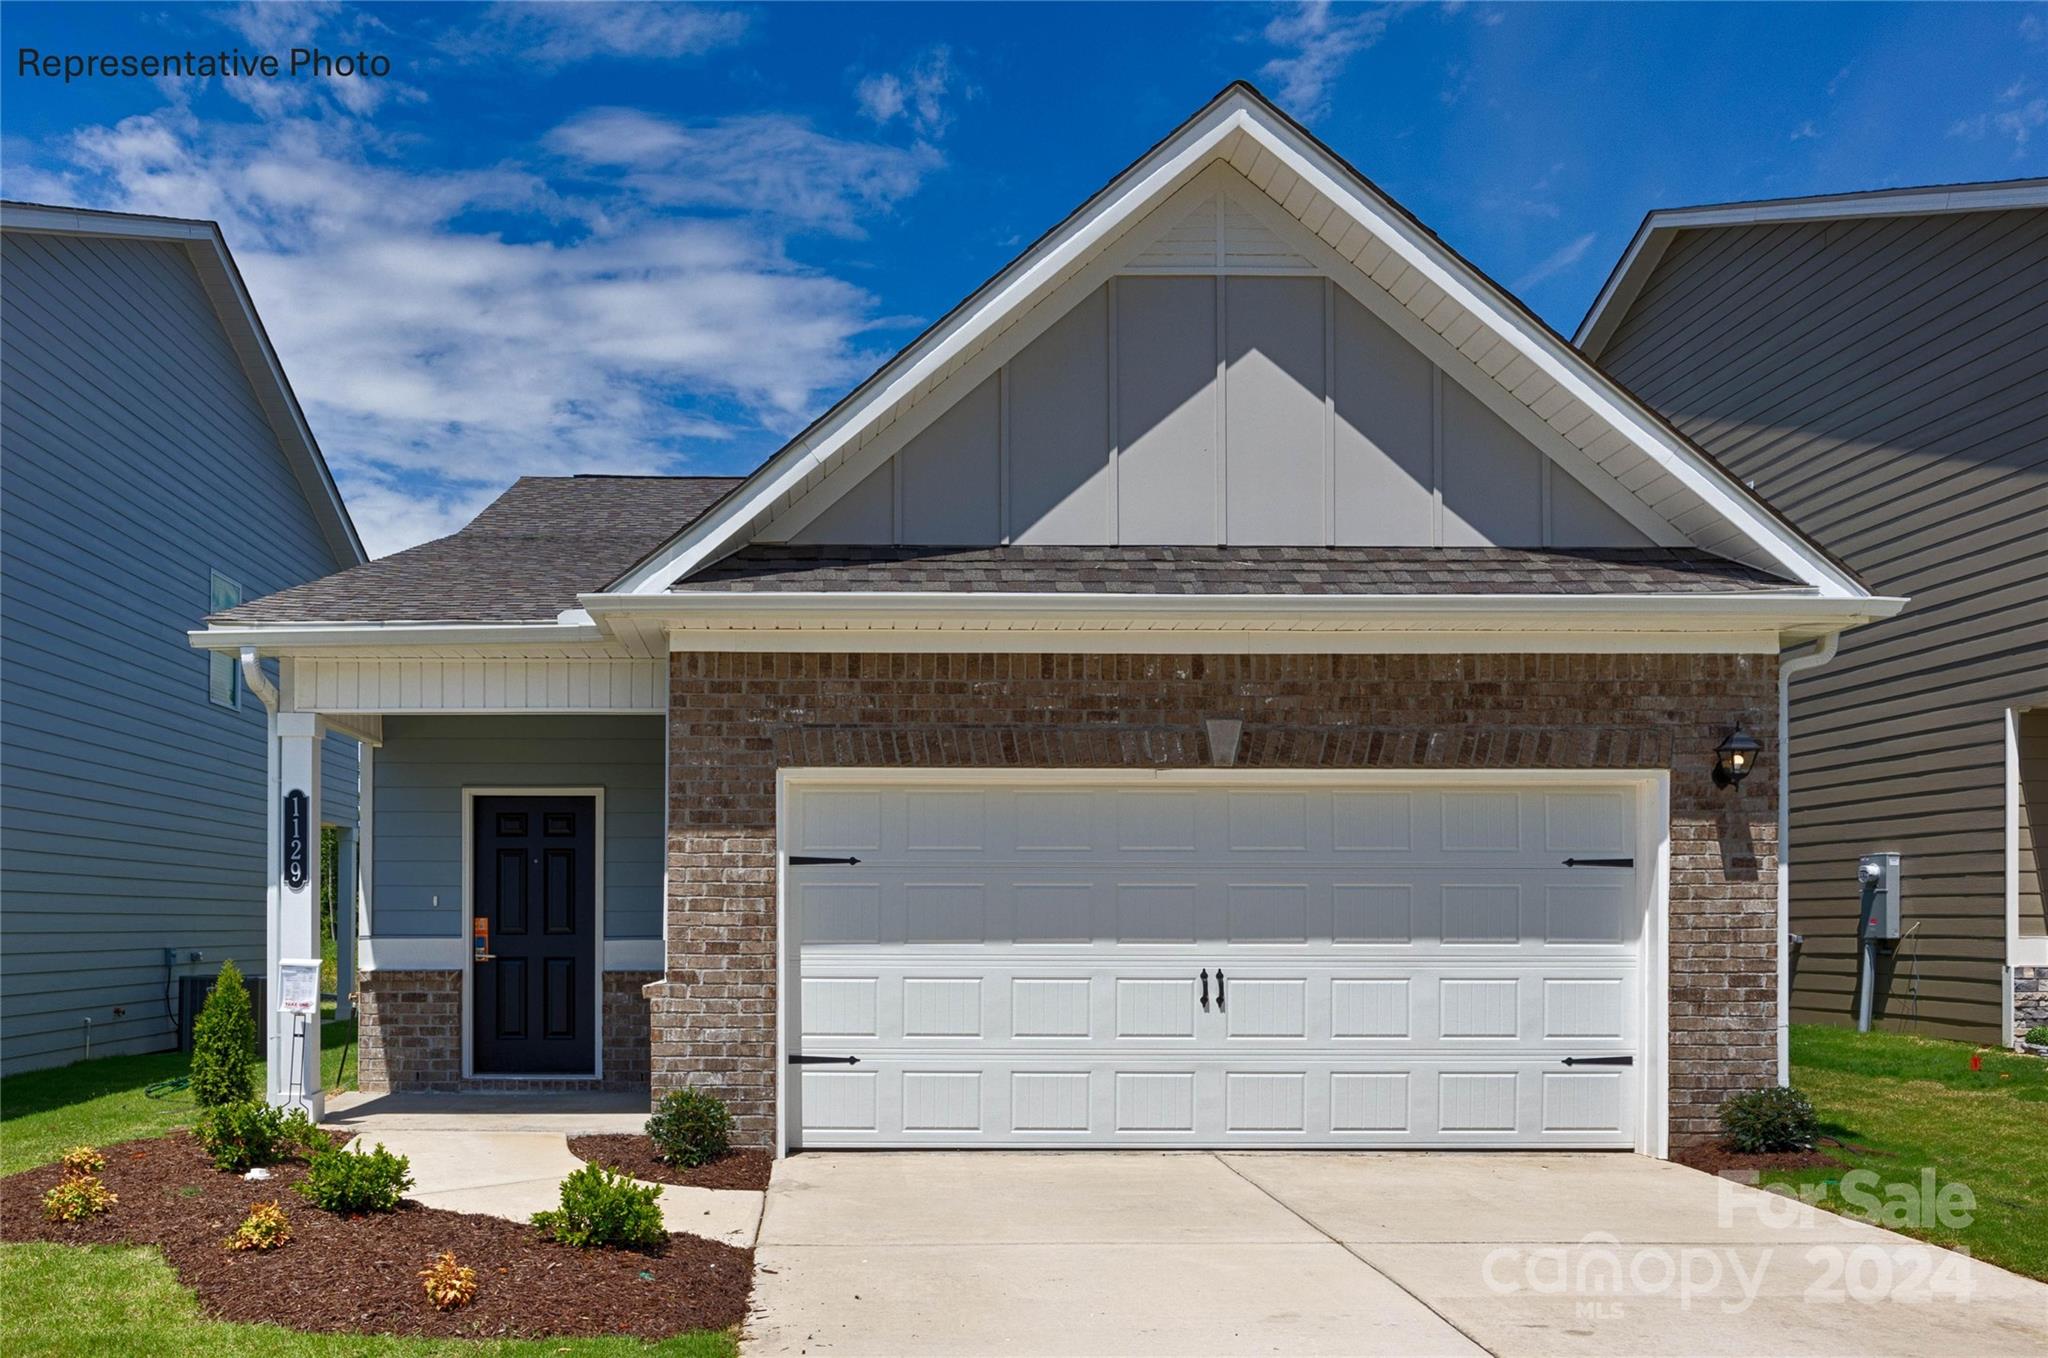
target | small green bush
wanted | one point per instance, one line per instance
(690, 1127)
(2038, 1037)
(239, 1136)
(346, 1181)
(76, 1198)
(600, 1208)
(224, 1044)
(1765, 1120)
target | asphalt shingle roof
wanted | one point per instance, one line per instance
(1233, 570)
(524, 559)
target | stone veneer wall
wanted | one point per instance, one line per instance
(735, 719)
(2029, 999)
(409, 1035)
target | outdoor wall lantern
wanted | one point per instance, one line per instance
(1734, 757)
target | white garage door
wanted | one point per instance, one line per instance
(1077, 965)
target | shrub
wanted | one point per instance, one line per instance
(356, 1181)
(1775, 1119)
(239, 1136)
(448, 1283)
(690, 1127)
(76, 1198)
(602, 1208)
(224, 1044)
(2038, 1037)
(265, 1228)
(83, 1160)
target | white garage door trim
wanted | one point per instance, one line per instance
(1651, 790)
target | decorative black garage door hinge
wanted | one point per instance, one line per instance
(797, 1060)
(1599, 1060)
(805, 860)
(1599, 862)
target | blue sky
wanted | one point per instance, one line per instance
(606, 237)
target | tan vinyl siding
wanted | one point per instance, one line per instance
(1884, 381)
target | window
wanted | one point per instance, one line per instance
(224, 671)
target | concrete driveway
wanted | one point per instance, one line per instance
(1136, 1253)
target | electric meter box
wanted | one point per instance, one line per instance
(1878, 875)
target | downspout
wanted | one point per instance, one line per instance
(1823, 651)
(258, 683)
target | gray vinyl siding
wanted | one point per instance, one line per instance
(1171, 409)
(137, 462)
(425, 763)
(1885, 383)
(2033, 809)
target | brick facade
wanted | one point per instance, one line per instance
(735, 719)
(409, 1035)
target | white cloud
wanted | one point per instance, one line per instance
(1321, 44)
(767, 164)
(553, 35)
(439, 359)
(917, 94)
(1556, 262)
(2016, 122)
(1806, 131)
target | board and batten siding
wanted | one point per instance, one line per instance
(138, 461)
(425, 763)
(1168, 409)
(1884, 382)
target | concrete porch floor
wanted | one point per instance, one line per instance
(506, 1155)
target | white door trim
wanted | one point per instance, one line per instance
(469, 796)
(1653, 829)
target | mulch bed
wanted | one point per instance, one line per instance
(634, 1154)
(1716, 1157)
(359, 1275)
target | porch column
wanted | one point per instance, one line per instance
(295, 915)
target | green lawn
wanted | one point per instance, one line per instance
(116, 1098)
(1916, 1105)
(65, 1302)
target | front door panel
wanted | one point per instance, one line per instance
(535, 994)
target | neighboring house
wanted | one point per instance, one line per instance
(154, 468)
(1238, 679)
(1876, 366)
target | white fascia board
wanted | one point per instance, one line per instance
(1647, 247)
(1562, 364)
(295, 638)
(786, 472)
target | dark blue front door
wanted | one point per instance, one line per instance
(535, 878)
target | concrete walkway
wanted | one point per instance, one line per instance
(468, 1156)
(929, 1253)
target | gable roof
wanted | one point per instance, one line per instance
(1453, 311)
(1661, 226)
(208, 252)
(525, 558)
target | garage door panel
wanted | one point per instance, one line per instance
(1476, 1102)
(1383, 967)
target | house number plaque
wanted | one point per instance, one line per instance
(296, 840)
